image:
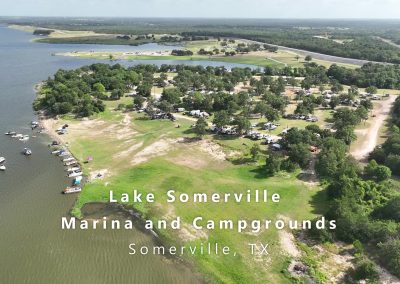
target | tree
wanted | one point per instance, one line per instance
(331, 158)
(308, 58)
(99, 87)
(171, 95)
(346, 134)
(371, 90)
(255, 151)
(243, 124)
(138, 101)
(334, 102)
(273, 164)
(201, 127)
(271, 114)
(300, 154)
(116, 94)
(221, 118)
(144, 90)
(377, 172)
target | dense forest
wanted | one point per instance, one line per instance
(359, 39)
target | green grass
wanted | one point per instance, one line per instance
(159, 175)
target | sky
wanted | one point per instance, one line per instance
(382, 9)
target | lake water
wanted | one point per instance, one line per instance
(33, 248)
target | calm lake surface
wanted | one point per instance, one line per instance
(33, 248)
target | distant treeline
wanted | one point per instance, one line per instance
(370, 74)
(359, 39)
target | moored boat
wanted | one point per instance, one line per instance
(2, 160)
(64, 153)
(10, 133)
(73, 169)
(2, 167)
(34, 124)
(70, 163)
(69, 159)
(72, 190)
(17, 135)
(57, 151)
(24, 138)
(27, 152)
(75, 174)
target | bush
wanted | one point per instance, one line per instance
(390, 254)
(366, 269)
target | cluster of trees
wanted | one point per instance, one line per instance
(180, 52)
(364, 203)
(369, 75)
(296, 145)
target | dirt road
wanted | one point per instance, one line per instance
(372, 133)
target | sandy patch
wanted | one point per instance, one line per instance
(158, 148)
(128, 152)
(98, 174)
(288, 244)
(213, 149)
(386, 278)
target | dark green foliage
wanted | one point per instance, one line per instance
(201, 127)
(365, 269)
(390, 254)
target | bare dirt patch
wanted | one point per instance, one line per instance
(372, 133)
(126, 153)
(213, 149)
(288, 244)
(98, 174)
(158, 148)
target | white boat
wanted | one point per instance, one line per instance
(18, 135)
(24, 138)
(2, 160)
(72, 190)
(2, 168)
(69, 159)
(27, 152)
(74, 162)
(73, 169)
(63, 154)
(75, 174)
(56, 151)
(10, 133)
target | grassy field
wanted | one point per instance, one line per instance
(117, 140)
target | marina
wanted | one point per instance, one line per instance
(31, 187)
